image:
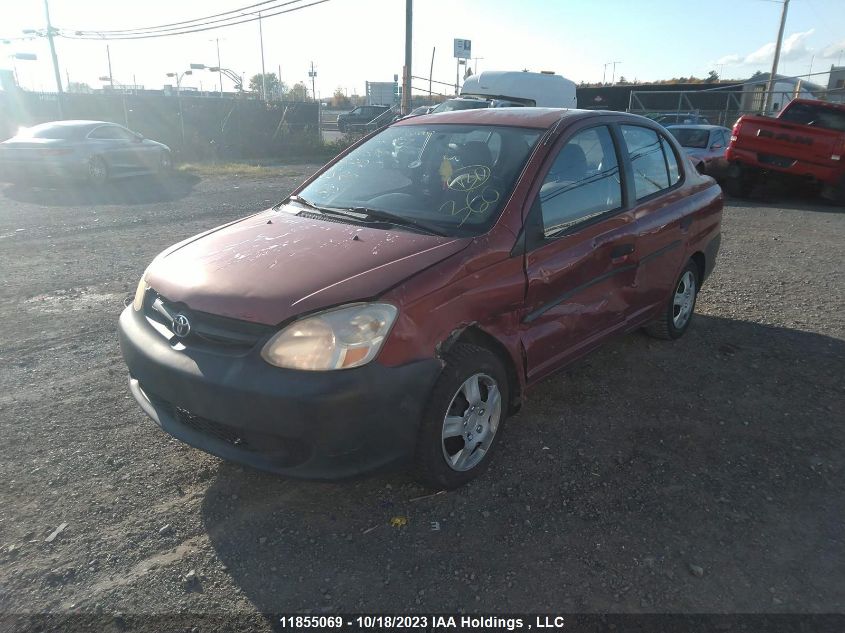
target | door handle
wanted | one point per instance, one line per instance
(621, 251)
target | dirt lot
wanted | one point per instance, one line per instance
(706, 475)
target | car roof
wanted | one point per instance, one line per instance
(538, 118)
(75, 123)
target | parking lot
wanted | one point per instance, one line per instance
(704, 475)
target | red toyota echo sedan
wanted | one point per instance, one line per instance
(399, 305)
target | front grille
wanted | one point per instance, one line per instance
(212, 428)
(208, 329)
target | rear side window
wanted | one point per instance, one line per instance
(652, 159)
(582, 183)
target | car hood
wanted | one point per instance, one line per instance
(273, 266)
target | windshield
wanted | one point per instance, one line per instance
(817, 116)
(461, 104)
(689, 137)
(454, 178)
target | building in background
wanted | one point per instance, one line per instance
(383, 92)
(836, 84)
(784, 90)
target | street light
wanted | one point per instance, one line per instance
(178, 77)
(231, 74)
(29, 57)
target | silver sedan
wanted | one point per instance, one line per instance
(92, 150)
(705, 144)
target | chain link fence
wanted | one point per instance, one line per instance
(717, 107)
(195, 127)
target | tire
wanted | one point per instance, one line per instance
(98, 171)
(739, 184)
(450, 420)
(677, 315)
(341, 127)
(835, 193)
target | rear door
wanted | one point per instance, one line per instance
(661, 211)
(114, 145)
(580, 251)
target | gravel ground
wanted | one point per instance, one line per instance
(704, 475)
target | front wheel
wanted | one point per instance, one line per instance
(460, 425)
(165, 163)
(677, 316)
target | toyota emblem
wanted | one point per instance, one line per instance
(181, 325)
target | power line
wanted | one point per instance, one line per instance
(94, 35)
(188, 24)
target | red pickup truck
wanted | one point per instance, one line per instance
(805, 141)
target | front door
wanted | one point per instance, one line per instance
(581, 256)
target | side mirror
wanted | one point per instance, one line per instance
(139, 137)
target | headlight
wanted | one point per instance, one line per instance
(138, 302)
(345, 337)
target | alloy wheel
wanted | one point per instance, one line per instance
(471, 422)
(684, 300)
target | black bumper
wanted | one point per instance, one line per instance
(316, 425)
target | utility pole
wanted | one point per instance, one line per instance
(313, 73)
(770, 88)
(263, 74)
(613, 80)
(431, 71)
(219, 66)
(111, 76)
(406, 78)
(55, 59)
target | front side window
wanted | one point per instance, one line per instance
(582, 183)
(454, 178)
(111, 132)
(652, 159)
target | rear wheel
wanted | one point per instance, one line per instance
(461, 422)
(677, 316)
(98, 172)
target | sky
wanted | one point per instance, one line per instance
(353, 41)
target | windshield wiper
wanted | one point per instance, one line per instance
(363, 214)
(302, 201)
(392, 218)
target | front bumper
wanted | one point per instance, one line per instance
(316, 425)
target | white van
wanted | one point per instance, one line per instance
(545, 90)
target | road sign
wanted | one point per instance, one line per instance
(463, 49)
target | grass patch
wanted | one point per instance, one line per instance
(244, 169)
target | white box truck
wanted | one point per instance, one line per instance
(544, 90)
